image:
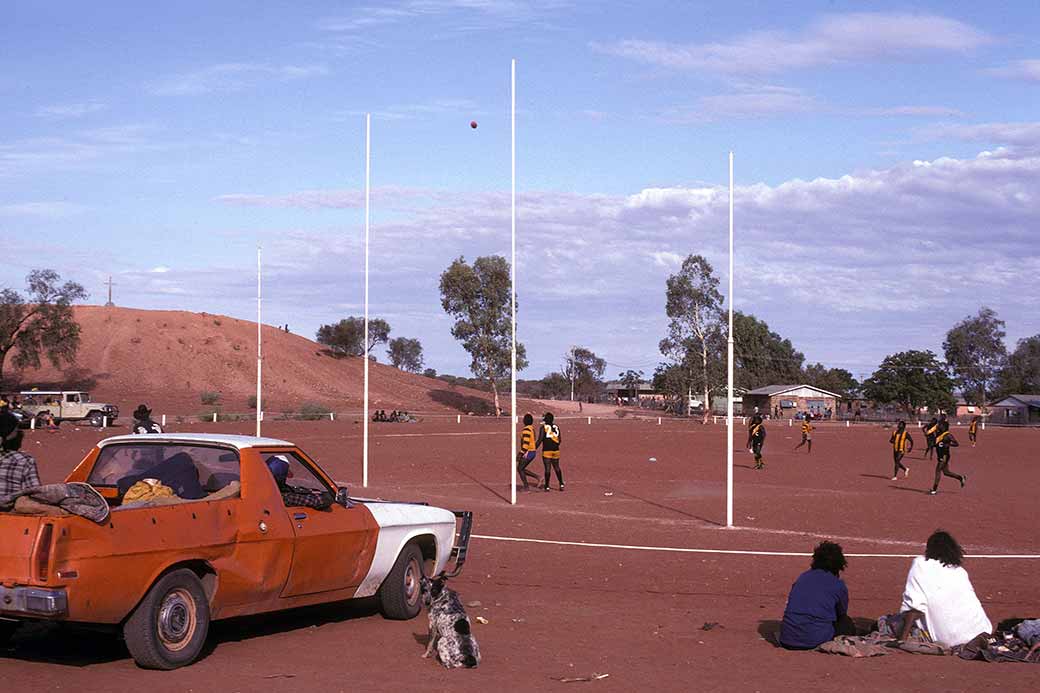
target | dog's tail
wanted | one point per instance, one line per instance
(468, 645)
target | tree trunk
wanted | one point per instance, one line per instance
(494, 391)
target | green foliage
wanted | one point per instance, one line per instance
(478, 297)
(912, 379)
(41, 323)
(693, 304)
(347, 337)
(430, 372)
(836, 380)
(583, 371)
(631, 379)
(312, 411)
(553, 386)
(1022, 374)
(407, 354)
(762, 357)
(210, 397)
(976, 354)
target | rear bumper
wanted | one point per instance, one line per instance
(33, 601)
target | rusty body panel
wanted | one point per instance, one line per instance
(264, 556)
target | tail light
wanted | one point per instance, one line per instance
(43, 551)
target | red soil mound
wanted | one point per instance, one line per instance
(168, 358)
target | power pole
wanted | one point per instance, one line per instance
(110, 284)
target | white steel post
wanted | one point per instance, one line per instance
(368, 159)
(729, 364)
(512, 275)
(259, 352)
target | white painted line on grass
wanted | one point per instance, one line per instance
(731, 552)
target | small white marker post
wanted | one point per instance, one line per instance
(846, 423)
(590, 421)
(104, 422)
(164, 420)
(32, 424)
(332, 416)
(458, 418)
(658, 420)
(214, 417)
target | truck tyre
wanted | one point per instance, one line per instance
(96, 419)
(168, 628)
(399, 595)
(7, 629)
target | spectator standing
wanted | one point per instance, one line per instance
(143, 421)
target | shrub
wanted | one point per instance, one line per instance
(311, 411)
(209, 397)
(251, 402)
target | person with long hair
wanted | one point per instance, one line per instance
(939, 598)
(818, 604)
(902, 444)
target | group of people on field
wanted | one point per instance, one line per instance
(548, 438)
(937, 433)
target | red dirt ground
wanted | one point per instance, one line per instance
(168, 358)
(564, 611)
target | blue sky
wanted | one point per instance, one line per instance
(888, 158)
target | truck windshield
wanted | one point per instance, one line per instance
(216, 467)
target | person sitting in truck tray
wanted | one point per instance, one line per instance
(17, 469)
(296, 496)
(178, 472)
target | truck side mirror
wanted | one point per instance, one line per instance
(343, 497)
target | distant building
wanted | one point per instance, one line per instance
(788, 400)
(644, 390)
(1016, 409)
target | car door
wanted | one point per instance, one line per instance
(332, 548)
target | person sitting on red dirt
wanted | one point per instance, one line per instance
(818, 605)
(938, 597)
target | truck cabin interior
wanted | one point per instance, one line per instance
(189, 472)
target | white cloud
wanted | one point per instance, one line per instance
(86, 148)
(914, 111)
(70, 110)
(1019, 135)
(834, 39)
(41, 210)
(476, 13)
(233, 77)
(1028, 70)
(749, 103)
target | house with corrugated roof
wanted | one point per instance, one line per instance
(1016, 409)
(784, 401)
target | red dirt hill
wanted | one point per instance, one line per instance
(168, 358)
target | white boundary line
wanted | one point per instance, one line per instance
(731, 552)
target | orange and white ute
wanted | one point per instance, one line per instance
(235, 541)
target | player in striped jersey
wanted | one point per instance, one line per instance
(527, 452)
(756, 439)
(973, 429)
(807, 429)
(944, 440)
(902, 444)
(931, 429)
(549, 439)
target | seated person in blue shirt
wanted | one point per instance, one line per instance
(817, 608)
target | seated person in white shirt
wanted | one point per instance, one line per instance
(939, 597)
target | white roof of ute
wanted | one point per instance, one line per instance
(236, 441)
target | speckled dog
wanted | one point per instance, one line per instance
(450, 632)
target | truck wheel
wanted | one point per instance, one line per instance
(96, 419)
(7, 629)
(399, 595)
(168, 628)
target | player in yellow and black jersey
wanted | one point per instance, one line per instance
(973, 429)
(527, 453)
(807, 429)
(756, 439)
(931, 429)
(944, 441)
(902, 444)
(549, 439)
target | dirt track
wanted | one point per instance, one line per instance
(565, 611)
